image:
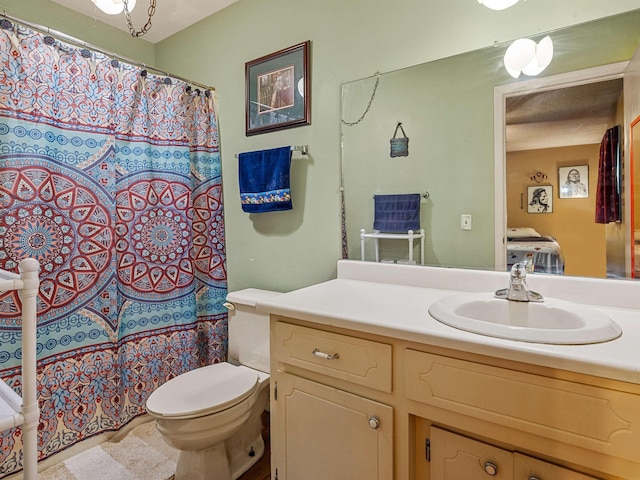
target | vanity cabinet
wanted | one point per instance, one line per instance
(322, 431)
(348, 404)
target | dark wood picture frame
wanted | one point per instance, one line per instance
(278, 91)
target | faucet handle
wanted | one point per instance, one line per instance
(518, 271)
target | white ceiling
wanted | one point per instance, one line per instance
(170, 17)
(563, 117)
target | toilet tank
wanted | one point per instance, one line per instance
(248, 329)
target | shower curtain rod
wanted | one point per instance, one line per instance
(82, 43)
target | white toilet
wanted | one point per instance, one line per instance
(213, 414)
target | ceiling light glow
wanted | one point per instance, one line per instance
(528, 57)
(114, 7)
(497, 4)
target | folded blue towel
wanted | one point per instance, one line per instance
(264, 180)
(396, 213)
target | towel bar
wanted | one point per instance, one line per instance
(424, 194)
(303, 149)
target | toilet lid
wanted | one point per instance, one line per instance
(205, 390)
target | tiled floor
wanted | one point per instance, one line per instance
(115, 458)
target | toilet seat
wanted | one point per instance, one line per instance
(203, 391)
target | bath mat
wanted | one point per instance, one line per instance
(140, 455)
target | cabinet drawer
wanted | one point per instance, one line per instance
(597, 419)
(359, 361)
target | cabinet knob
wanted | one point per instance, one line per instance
(491, 469)
(374, 422)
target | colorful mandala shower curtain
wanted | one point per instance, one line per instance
(110, 177)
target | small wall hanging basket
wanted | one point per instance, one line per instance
(399, 146)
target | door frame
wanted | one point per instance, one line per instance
(633, 164)
(500, 95)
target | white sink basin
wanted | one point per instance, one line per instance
(553, 321)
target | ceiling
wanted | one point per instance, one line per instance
(570, 116)
(170, 17)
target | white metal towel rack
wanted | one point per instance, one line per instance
(410, 236)
(16, 411)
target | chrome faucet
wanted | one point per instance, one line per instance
(518, 290)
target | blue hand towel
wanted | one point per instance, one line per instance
(264, 180)
(396, 213)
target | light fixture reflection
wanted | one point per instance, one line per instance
(301, 87)
(528, 57)
(114, 7)
(497, 4)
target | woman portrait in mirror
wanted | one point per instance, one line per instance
(572, 185)
(540, 199)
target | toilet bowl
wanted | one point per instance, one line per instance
(213, 414)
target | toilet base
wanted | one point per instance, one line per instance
(246, 446)
(244, 461)
(217, 463)
(210, 464)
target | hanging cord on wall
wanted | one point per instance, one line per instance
(373, 94)
(147, 26)
(6, 24)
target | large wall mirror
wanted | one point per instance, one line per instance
(478, 179)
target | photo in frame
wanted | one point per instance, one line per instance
(540, 199)
(278, 90)
(574, 181)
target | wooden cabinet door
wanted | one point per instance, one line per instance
(528, 468)
(454, 457)
(325, 433)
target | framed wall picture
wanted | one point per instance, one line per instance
(278, 90)
(574, 181)
(540, 199)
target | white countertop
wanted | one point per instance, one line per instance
(393, 300)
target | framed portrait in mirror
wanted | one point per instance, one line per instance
(540, 199)
(574, 181)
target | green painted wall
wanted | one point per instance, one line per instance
(351, 39)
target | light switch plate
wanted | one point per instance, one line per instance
(465, 222)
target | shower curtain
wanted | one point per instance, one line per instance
(110, 177)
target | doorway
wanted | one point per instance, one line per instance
(532, 149)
